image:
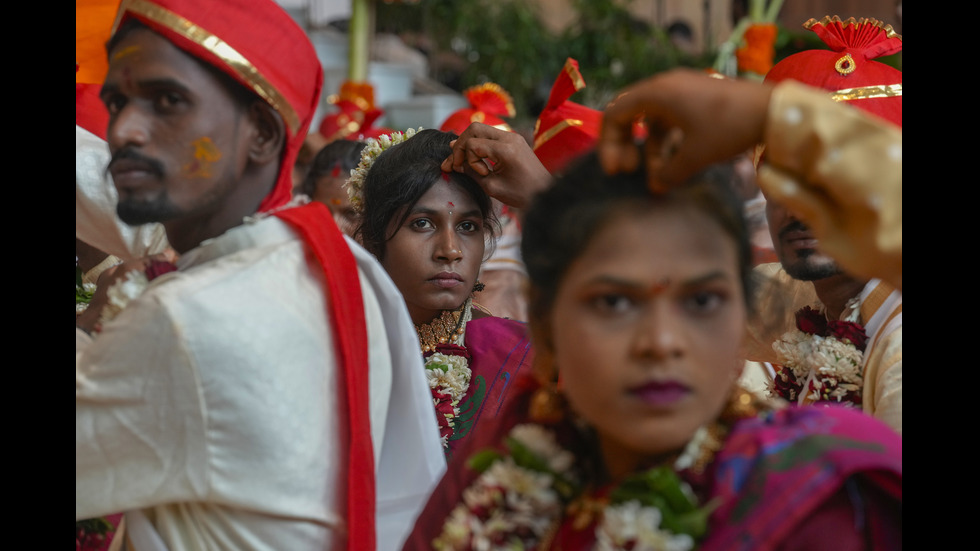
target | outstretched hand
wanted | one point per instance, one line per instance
(501, 162)
(693, 120)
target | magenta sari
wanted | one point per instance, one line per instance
(499, 351)
(799, 478)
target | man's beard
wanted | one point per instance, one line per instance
(136, 213)
(812, 266)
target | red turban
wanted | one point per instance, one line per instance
(259, 44)
(564, 129)
(355, 120)
(848, 69)
(488, 102)
(281, 67)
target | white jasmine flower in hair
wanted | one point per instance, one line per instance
(375, 147)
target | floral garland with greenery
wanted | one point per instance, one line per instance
(520, 496)
(95, 534)
(825, 356)
(448, 373)
(83, 291)
(375, 147)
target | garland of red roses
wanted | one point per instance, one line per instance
(814, 322)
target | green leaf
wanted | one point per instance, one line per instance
(525, 457)
(481, 461)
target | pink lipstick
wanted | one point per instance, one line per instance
(661, 393)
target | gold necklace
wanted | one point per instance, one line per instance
(446, 329)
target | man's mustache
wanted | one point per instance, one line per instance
(129, 154)
(795, 225)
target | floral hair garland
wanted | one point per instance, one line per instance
(375, 147)
(826, 356)
(522, 493)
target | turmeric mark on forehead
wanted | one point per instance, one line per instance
(205, 153)
(126, 52)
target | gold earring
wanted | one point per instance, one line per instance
(742, 404)
(547, 403)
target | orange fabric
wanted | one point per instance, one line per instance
(759, 51)
(93, 22)
(266, 51)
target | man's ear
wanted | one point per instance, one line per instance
(270, 133)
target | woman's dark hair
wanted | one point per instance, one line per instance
(561, 221)
(400, 177)
(342, 154)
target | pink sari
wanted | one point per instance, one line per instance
(801, 478)
(499, 351)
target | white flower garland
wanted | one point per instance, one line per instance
(375, 147)
(508, 503)
(512, 507)
(632, 526)
(122, 292)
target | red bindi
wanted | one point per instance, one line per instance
(660, 286)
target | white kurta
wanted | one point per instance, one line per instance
(212, 403)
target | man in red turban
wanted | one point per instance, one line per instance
(267, 393)
(806, 274)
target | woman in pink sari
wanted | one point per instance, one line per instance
(431, 230)
(632, 432)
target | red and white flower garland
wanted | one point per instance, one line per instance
(822, 360)
(447, 370)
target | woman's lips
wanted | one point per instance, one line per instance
(447, 280)
(661, 393)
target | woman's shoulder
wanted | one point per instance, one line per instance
(492, 327)
(816, 431)
(787, 463)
